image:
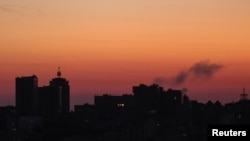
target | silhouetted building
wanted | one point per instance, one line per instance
(85, 115)
(170, 101)
(26, 95)
(174, 96)
(147, 98)
(85, 109)
(108, 106)
(45, 101)
(54, 99)
(59, 87)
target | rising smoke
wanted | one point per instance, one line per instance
(200, 70)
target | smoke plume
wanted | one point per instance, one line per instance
(200, 70)
(204, 69)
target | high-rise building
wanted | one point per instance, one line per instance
(60, 88)
(26, 95)
(45, 101)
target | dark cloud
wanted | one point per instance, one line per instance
(202, 69)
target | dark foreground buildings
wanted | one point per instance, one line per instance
(154, 114)
(149, 114)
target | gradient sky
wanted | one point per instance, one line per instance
(107, 46)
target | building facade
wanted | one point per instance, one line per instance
(26, 95)
(60, 88)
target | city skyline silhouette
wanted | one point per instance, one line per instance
(123, 70)
(149, 113)
(185, 90)
(205, 74)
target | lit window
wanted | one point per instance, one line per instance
(120, 105)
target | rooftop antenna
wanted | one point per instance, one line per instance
(59, 73)
(243, 96)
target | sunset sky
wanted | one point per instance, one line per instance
(108, 46)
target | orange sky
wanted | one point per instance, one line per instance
(109, 46)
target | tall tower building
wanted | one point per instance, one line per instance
(61, 90)
(26, 93)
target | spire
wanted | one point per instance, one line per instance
(243, 96)
(59, 72)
